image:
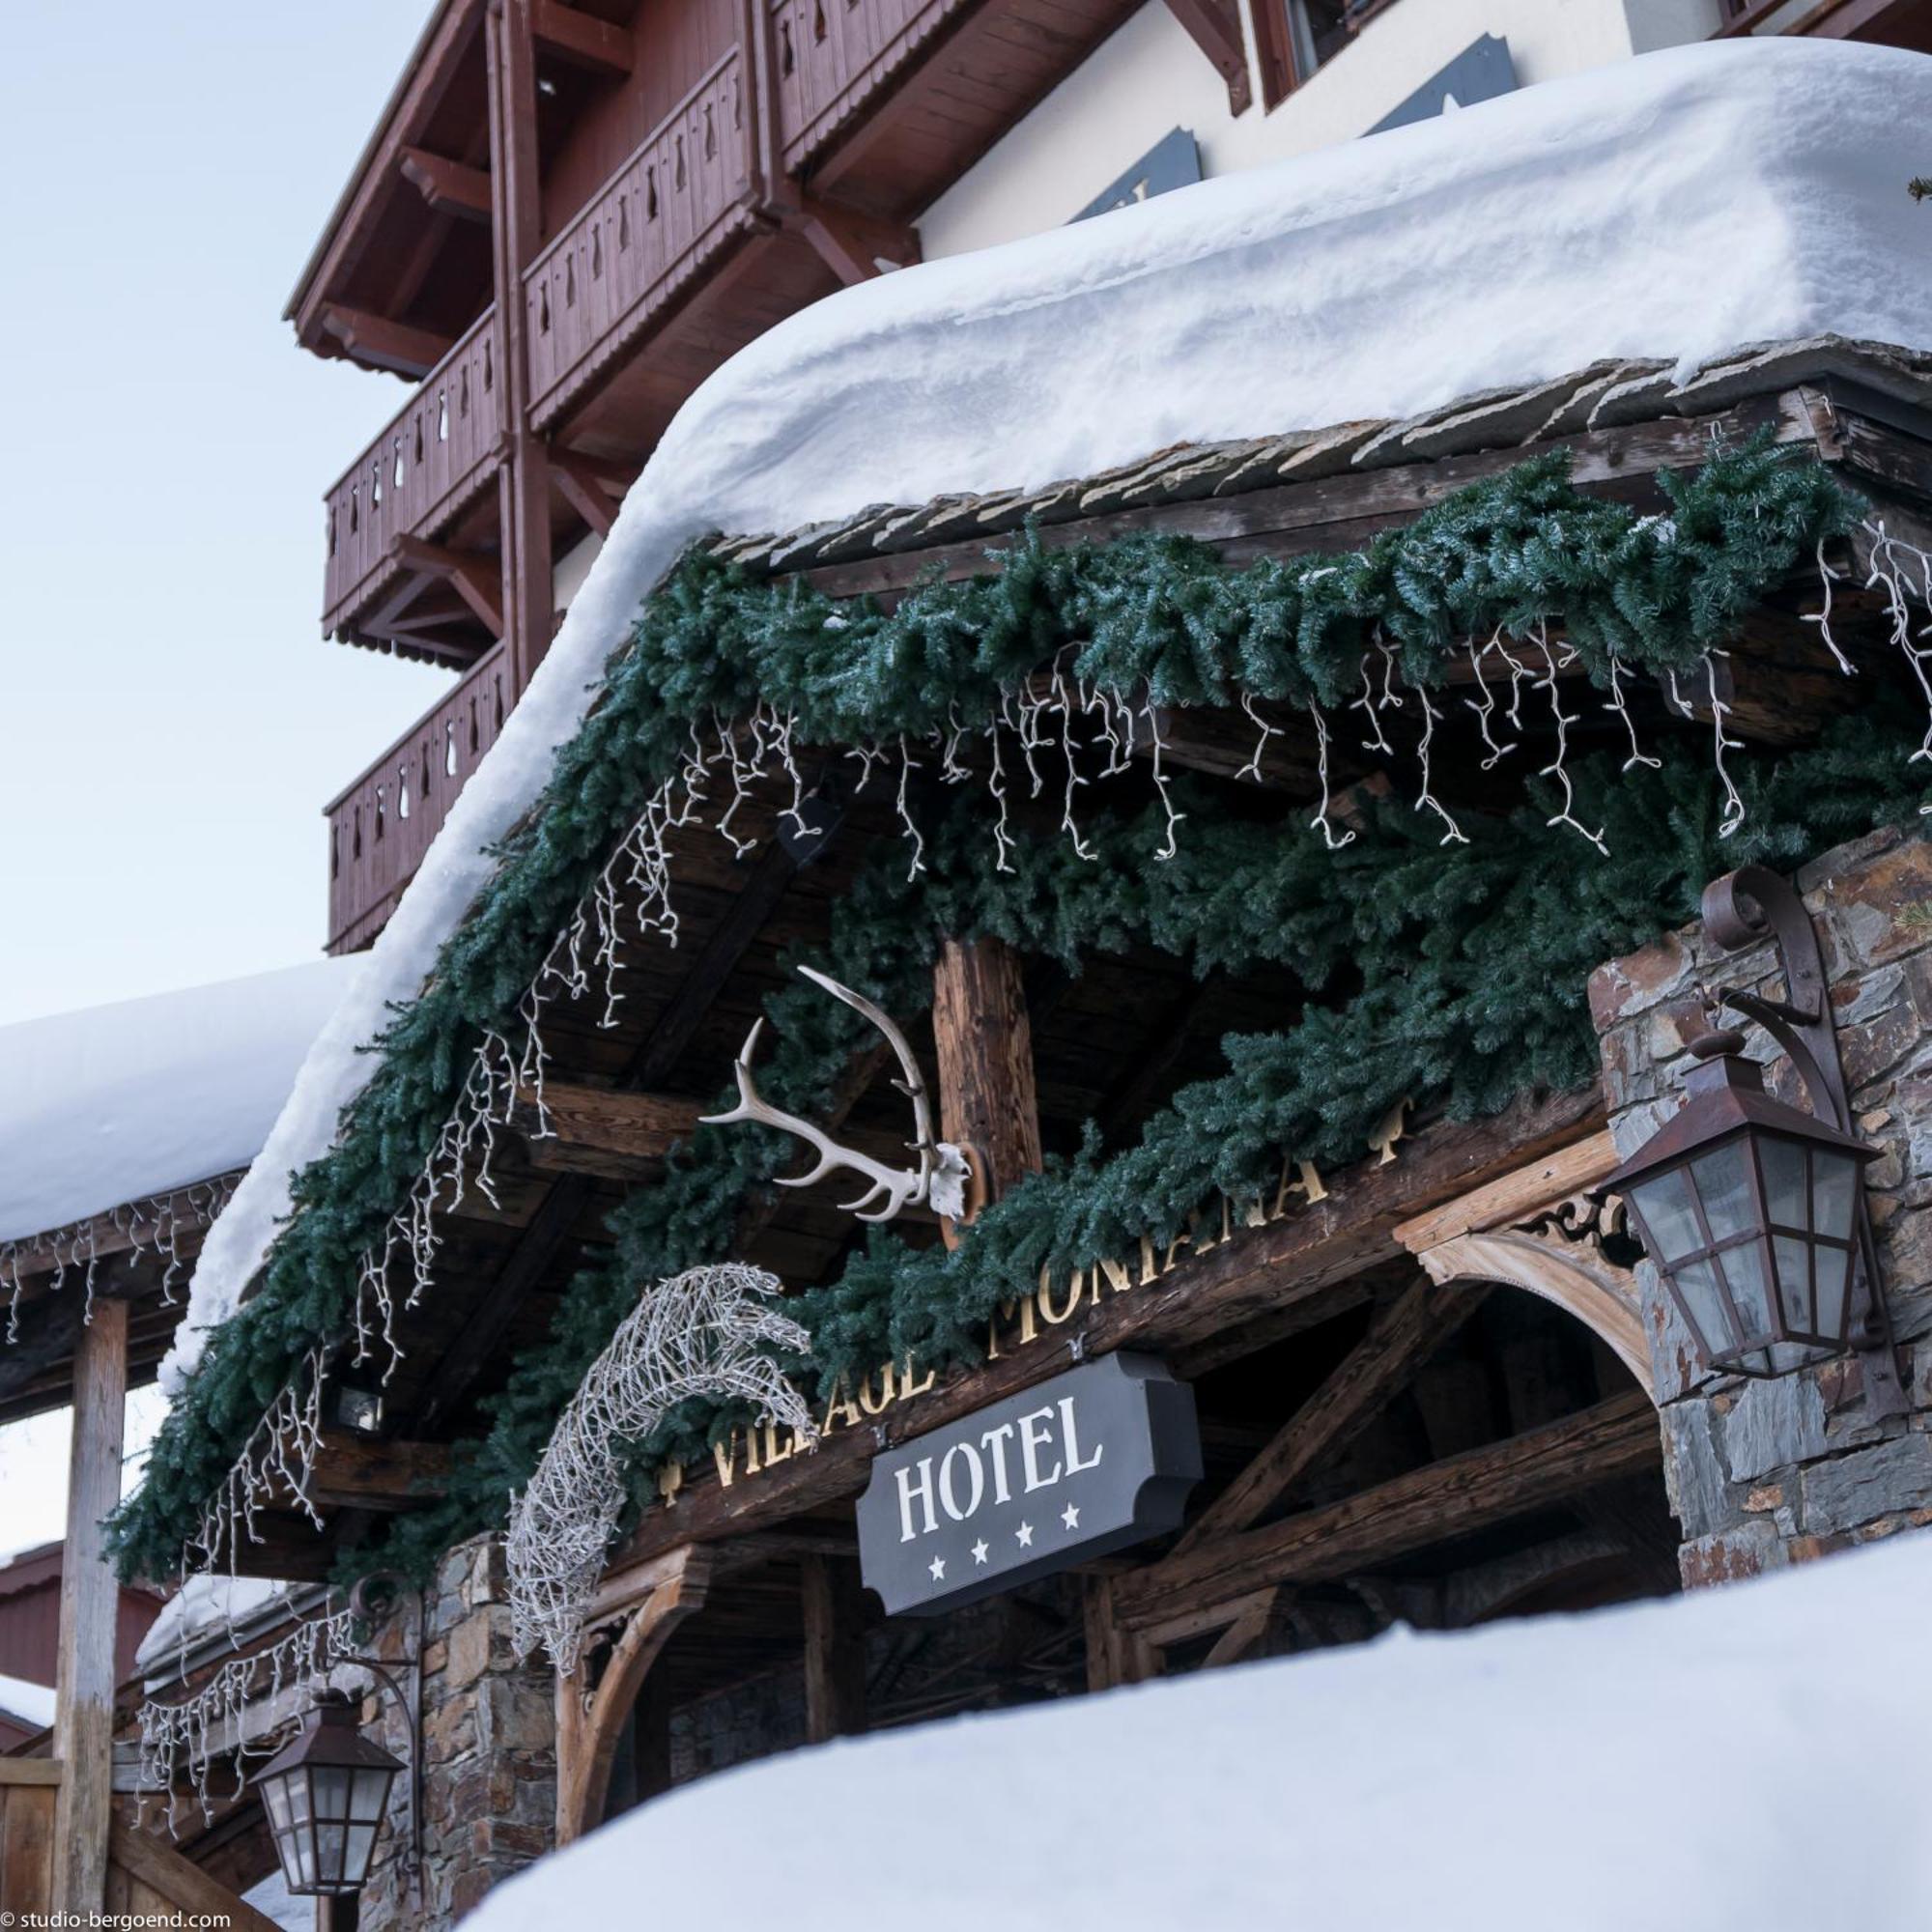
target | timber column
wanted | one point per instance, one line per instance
(516, 234)
(988, 1098)
(89, 1607)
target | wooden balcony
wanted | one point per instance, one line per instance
(380, 828)
(426, 468)
(651, 230)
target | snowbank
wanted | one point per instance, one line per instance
(113, 1103)
(31, 1703)
(1745, 1758)
(1682, 205)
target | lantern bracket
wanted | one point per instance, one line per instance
(375, 1600)
(1741, 910)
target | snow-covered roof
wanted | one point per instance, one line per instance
(32, 1704)
(203, 1606)
(1698, 1761)
(1681, 207)
(116, 1103)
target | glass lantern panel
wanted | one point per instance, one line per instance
(362, 1849)
(331, 1790)
(1668, 1213)
(1834, 1192)
(304, 1859)
(1696, 1285)
(372, 1793)
(1785, 1191)
(297, 1783)
(277, 1799)
(1833, 1265)
(329, 1848)
(1722, 1179)
(1793, 1259)
(1751, 1288)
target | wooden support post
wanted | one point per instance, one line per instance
(516, 233)
(834, 1647)
(90, 1607)
(987, 1099)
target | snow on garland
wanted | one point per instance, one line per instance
(151, 1225)
(704, 1333)
(1062, 650)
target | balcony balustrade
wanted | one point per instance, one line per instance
(652, 227)
(427, 463)
(381, 827)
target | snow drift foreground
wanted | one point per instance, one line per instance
(1679, 205)
(1745, 1758)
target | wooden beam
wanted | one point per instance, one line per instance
(385, 344)
(90, 1607)
(1216, 28)
(856, 247)
(833, 1604)
(1132, 1095)
(1227, 743)
(1256, 1272)
(580, 40)
(582, 490)
(182, 1884)
(362, 1472)
(474, 577)
(1429, 1505)
(1399, 1339)
(450, 187)
(603, 1131)
(988, 1098)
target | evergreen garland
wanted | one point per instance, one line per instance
(1446, 1007)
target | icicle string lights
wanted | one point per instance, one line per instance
(153, 1225)
(244, 1710)
(706, 1333)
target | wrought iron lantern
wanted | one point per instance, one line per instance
(325, 1794)
(1754, 1210)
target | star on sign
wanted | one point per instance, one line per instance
(1025, 1534)
(979, 1551)
(1070, 1516)
(938, 1568)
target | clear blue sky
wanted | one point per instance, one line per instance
(171, 719)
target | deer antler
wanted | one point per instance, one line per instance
(938, 1180)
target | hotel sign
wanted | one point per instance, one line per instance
(1079, 1466)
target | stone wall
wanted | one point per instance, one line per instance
(489, 1729)
(1763, 1473)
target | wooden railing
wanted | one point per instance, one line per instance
(147, 1880)
(381, 826)
(832, 58)
(627, 254)
(427, 462)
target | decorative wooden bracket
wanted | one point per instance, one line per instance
(384, 344)
(591, 489)
(450, 187)
(856, 247)
(472, 576)
(1214, 26)
(1536, 1230)
(645, 1605)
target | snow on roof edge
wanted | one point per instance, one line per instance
(1726, 193)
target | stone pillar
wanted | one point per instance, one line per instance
(1764, 1474)
(489, 1753)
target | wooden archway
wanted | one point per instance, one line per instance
(643, 1607)
(1538, 1230)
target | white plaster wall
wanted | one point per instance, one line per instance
(1149, 79)
(567, 576)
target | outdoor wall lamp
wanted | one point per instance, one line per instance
(327, 1791)
(1754, 1211)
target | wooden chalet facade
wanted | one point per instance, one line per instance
(1428, 1379)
